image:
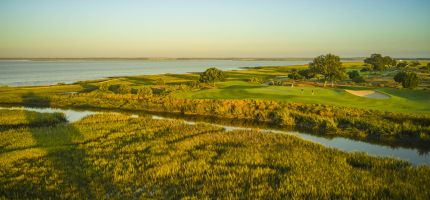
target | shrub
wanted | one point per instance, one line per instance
(124, 89)
(414, 63)
(307, 73)
(358, 79)
(399, 77)
(104, 87)
(353, 74)
(144, 92)
(411, 80)
(402, 64)
(295, 76)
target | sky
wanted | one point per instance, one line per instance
(214, 28)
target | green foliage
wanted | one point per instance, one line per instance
(295, 75)
(411, 80)
(328, 66)
(380, 63)
(117, 157)
(354, 75)
(402, 64)
(144, 92)
(104, 87)
(212, 75)
(414, 63)
(400, 76)
(124, 89)
(307, 73)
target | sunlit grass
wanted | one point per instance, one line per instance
(118, 157)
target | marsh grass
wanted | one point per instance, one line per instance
(117, 157)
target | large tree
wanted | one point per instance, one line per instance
(328, 66)
(212, 75)
(380, 63)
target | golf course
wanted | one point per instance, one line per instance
(217, 99)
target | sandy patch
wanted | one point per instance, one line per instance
(368, 94)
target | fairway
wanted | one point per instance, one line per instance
(401, 100)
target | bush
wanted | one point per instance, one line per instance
(399, 77)
(124, 89)
(295, 76)
(358, 79)
(144, 92)
(307, 73)
(353, 74)
(414, 63)
(402, 64)
(365, 69)
(104, 87)
(411, 80)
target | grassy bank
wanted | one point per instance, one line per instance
(117, 157)
(404, 100)
(21, 118)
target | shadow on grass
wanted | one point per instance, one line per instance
(66, 164)
(33, 100)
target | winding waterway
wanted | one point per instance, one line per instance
(412, 155)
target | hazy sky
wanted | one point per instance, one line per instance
(216, 28)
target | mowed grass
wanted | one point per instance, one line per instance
(111, 156)
(402, 100)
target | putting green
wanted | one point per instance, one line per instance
(400, 100)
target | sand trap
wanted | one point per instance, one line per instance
(368, 94)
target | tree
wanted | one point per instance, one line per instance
(328, 66)
(212, 75)
(307, 73)
(144, 92)
(399, 77)
(411, 80)
(355, 76)
(294, 75)
(380, 63)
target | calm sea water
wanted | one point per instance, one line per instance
(20, 73)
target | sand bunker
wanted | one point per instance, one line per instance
(368, 94)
